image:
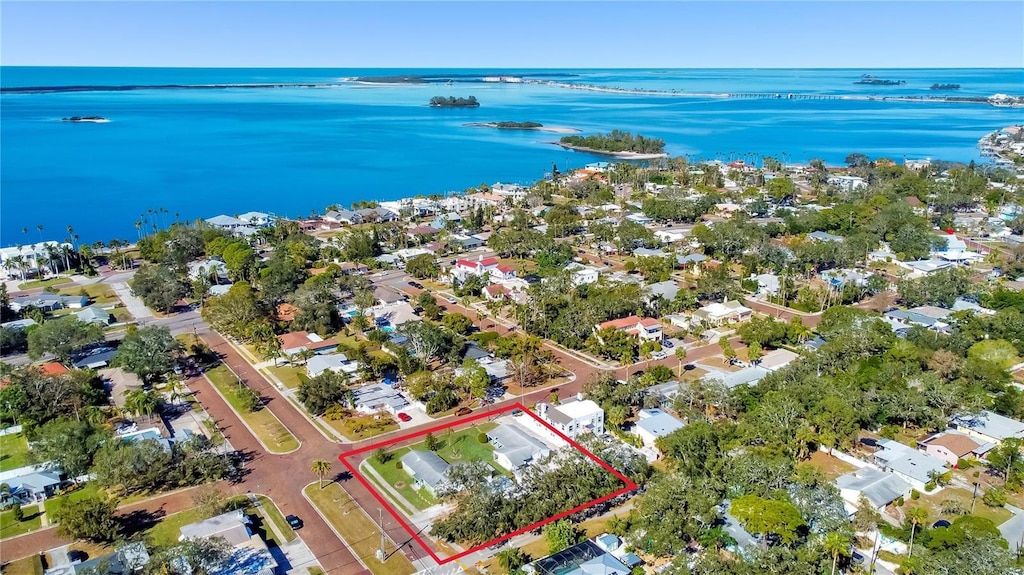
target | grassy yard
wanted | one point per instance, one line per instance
(276, 517)
(361, 426)
(465, 446)
(356, 529)
(166, 532)
(832, 467)
(54, 504)
(98, 293)
(933, 504)
(32, 565)
(13, 451)
(44, 283)
(274, 435)
(290, 376)
(9, 527)
(400, 481)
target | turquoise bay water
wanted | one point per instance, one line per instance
(291, 151)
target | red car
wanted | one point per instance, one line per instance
(404, 417)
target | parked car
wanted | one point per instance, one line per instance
(402, 416)
(450, 299)
(516, 411)
(463, 411)
(416, 285)
(689, 367)
(658, 355)
(294, 522)
(75, 556)
(667, 343)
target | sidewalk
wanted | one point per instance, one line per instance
(134, 304)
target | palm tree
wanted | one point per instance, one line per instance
(320, 467)
(680, 354)
(304, 355)
(40, 229)
(141, 402)
(917, 516)
(836, 545)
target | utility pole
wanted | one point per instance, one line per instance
(380, 516)
(974, 499)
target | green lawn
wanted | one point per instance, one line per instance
(356, 529)
(290, 376)
(274, 435)
(98, 293)
(277, 517)
(54, 504)
(933, 504)
(166, 532)
(361, 426)
(13, 451)
(9, 527)
(44, 283)
(465, 446)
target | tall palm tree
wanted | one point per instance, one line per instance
(917, 517)
(680, 354)
(142, 402)
(836, 545)
(39, 228)
(320, 467)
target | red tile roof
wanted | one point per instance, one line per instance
(622, 323)
(52, 368)
(489, 262)
(506, 269)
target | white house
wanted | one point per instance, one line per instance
(910, 465)
(336, 362)
(379, 397)
(878, 487)
(514, 447)
(670, 235)
(719, 313)
(33, 256)
(574, 417)
(654, 424)
(479, 267)
(847, 183)
(582, 274)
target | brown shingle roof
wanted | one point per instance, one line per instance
(957, 443)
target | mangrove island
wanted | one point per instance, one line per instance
(616, 143)
(873, 81)
(94, 119)
(945, 86)
(453, 102)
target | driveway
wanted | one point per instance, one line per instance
(135, 306)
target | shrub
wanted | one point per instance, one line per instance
(398, 464)
(995, 497)
(900, 501)
(889, 431)
(382, 455)
(964, 464)
(482, 438)
(915, 494)
(335, 412)
(19, 514)
(930, 486)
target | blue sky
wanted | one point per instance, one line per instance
(514, 34)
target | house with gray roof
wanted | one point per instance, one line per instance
(343, 216)
(374, 398)
(912, 466)
(426, 468)
(34, 486)
(586, 558)
(649, 253)
(878, 487)
(44, 301)
(666, 290)
(514, 447)
(988, 426)
(734, 379)
(654, 424)
(94, 315)
(824, 237)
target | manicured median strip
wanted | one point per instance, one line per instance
(352, 524)
(263, 423)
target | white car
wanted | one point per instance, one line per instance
(450, 299)
(658, 355)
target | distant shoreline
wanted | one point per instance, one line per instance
(616, 155)
(550, 129)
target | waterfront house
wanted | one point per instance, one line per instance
(514, 447)
(34, 257)
(343, 216)
(427, 470)
(647, 329)
(226, 223)
(989, 427)
(574, 417)
(653, 424)
(336, 362)
(297, 341)
(256, 219)
(952, 446)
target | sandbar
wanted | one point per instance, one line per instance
(550, 129)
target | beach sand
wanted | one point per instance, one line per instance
(616, 155)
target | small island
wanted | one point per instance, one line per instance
(93, 119)
(873, 81)
(617, 144)
(945, 86)
(453, 102)
(527, 126)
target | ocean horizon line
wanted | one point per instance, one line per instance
(162, 67)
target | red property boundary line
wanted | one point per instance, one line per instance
(344, 458)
